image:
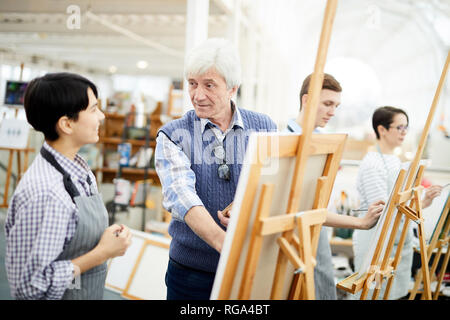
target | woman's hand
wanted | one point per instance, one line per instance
(431, 193)
(115, 241)
(373, 214)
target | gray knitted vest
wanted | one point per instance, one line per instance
(186, 247)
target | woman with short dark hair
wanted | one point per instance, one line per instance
(57, 225)
(376, 178)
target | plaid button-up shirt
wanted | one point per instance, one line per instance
(40, 222)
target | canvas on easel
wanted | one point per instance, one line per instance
(439, 245)
(280, 204)
(371, 272)
(254, 239)
(380, 224)
(14, 133)
(405, 202)
(14, 138)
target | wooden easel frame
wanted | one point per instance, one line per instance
(299, 250)
(439, 241)
(384, 267)
(126, 292)
(145, 240)
(18, 151)
(20, 169)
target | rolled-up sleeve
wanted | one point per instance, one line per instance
(33, 246)
(177, 178)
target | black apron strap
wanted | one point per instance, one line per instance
(68, 184)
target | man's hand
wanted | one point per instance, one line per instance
(224, 217)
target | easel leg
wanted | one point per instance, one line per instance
(387, 253)
(365, 292)
(437, 257)
(19, 167)
(8, 177)
(25, 161)
(412, 294)
(305, 236)
(397, 258)
(435, 261)
(376, 292)
(279, 277)
(441, 274)
(424, 259)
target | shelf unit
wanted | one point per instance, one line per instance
(115, 130)
(132, 174)
(110, 137)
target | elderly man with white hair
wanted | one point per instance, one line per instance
(198, 160)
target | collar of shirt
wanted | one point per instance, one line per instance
(78, 169)
(293, 126)
(236, 120)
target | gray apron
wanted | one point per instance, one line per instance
(324, 271)
(92, 222)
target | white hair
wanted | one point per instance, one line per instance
(215, 53)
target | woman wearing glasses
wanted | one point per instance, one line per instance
(376, 177)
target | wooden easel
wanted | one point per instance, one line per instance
(126, 292)
(20, 170)
(305, 142)
(439, 241)
(304, 226)
(383, 267)
(299, 230)
(13, 151)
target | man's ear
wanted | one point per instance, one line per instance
(304, 100)
(233, 91)
(64, 125)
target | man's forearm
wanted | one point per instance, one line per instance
(204, 226)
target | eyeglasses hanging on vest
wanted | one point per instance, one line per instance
(223, 170)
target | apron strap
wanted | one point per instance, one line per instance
(68, 184)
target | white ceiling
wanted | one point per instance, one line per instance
(37, 30)
(400, 40)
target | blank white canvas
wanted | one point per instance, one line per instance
(365, 266)
(120, 268)
(14, 133)
(148, 282)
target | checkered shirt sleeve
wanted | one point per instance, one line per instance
(177, 178)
